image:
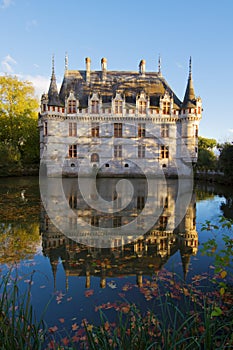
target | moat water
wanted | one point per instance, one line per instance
(78, 259)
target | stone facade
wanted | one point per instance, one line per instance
(118, 123)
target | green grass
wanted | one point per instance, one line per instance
(18, 326)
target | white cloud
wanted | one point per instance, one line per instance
(31, 24)
(230, 130)
(6, 3)
(40, 83)
(7, 64)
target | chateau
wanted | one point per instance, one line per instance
(118, 123)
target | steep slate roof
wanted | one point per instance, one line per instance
(53, 97)
(127, 83)
(189, 97)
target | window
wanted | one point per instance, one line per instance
(164, 202)
(44, 108)
(117, 221)
(140, 202)
(166, 107)
(73, 151)
(71, 106)
(73, 201)
(164, 130)
(94, 158)
(72, 129)
(163, 222)
(45, 128)
(141, 130)
(95, 129)
(118, 107)
(141, 151)
(142, 107)
(95, 107)
(164, 151)
(117, 151)
(117, 129)
(95, 221)
(195, 130)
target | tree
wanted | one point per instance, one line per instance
(206, 143)
(206, 157)
(226, 159)
(18, 119)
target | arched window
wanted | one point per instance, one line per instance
(94, 158)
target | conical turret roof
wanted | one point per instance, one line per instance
(53, 97)
(189, 97)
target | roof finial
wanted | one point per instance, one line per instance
(190, 67)
(159, 65)
(66, 62)
(53, 64)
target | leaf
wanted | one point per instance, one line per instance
(74, 327)
(53, 329)
(223, 274)
(65, 341)
(222, 291)
(216, 312)
(90, 327)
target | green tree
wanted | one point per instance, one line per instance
(226, 159)
(18, 121)
(206, 157)
(206, 143)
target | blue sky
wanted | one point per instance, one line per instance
(125, 31)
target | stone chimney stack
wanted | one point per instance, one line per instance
(88, 69)
(142, 67)
(104, 68)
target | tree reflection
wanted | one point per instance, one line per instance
(19, 220)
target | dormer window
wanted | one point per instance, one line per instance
(72, 106)
(166, 107)
(142, 107)
(94, 107)
(118, 107)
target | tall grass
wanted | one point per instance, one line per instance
(18, 326)
(173, 329)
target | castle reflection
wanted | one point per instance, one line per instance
(173, 230)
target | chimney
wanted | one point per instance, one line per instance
(142, 67)
(104, 68)
(88, 69)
